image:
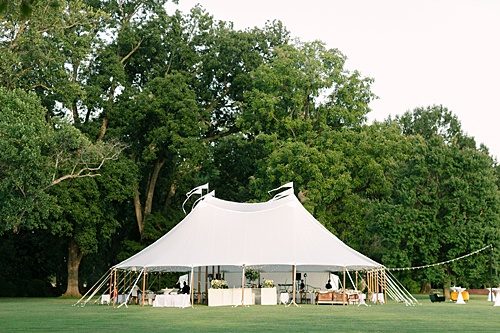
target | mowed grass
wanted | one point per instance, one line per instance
(58, 315)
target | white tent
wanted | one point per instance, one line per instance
(279, 235)
(272, 235)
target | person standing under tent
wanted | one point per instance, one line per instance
(114, 294)
(302, 285)
(328, 285)
(135, 294)
(185, 288)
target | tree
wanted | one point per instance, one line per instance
(50, 51)
(37, 159)
(444, 202)
(304, 88)
(163, 126)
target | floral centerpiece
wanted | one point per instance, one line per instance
(268, 284)
(218, 284)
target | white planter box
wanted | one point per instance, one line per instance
(268, 296)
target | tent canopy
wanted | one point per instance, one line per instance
(271, 236)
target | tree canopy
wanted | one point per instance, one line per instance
(112, 110)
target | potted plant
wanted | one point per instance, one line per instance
(252, 275)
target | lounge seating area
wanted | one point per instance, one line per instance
(331, 297)
(434, 297)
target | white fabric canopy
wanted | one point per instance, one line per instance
(271, 236)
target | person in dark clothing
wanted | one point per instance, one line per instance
(185, 288)
(302, 285)
(328, 285)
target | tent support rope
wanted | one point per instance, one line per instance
(130, 292)
(102, 280)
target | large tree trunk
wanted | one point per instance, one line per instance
(425, 288)
(170, 195)
(148, 206)
(103, 128)
(74, 259)
(138, 212)
(446, 286)
(141, 213)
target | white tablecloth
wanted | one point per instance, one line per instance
(232, 296)
(497, 296)
(378, 297)
(177, 301)
(105, 299)
(284, 298)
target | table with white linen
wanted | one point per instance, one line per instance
(105, 299)
(460, 297)
(497, 296)
(378, 297)
(362, 299)
(231, 296)
(173, 301)
(284, 298)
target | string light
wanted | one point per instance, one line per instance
(438, 263)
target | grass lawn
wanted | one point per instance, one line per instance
(57, 315)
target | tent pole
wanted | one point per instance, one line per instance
(144, 285)
(192, 289)
(115, 289)
(384, 275)
(370, 286)
(206, 282)
(243, 286)
(294, 281)
(343, 289)
(199, 284)
(111, 283)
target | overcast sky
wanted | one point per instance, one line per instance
(420, 52)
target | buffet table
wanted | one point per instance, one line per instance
(177, 301)
(232, 296)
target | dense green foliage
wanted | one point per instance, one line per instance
(112, 110)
